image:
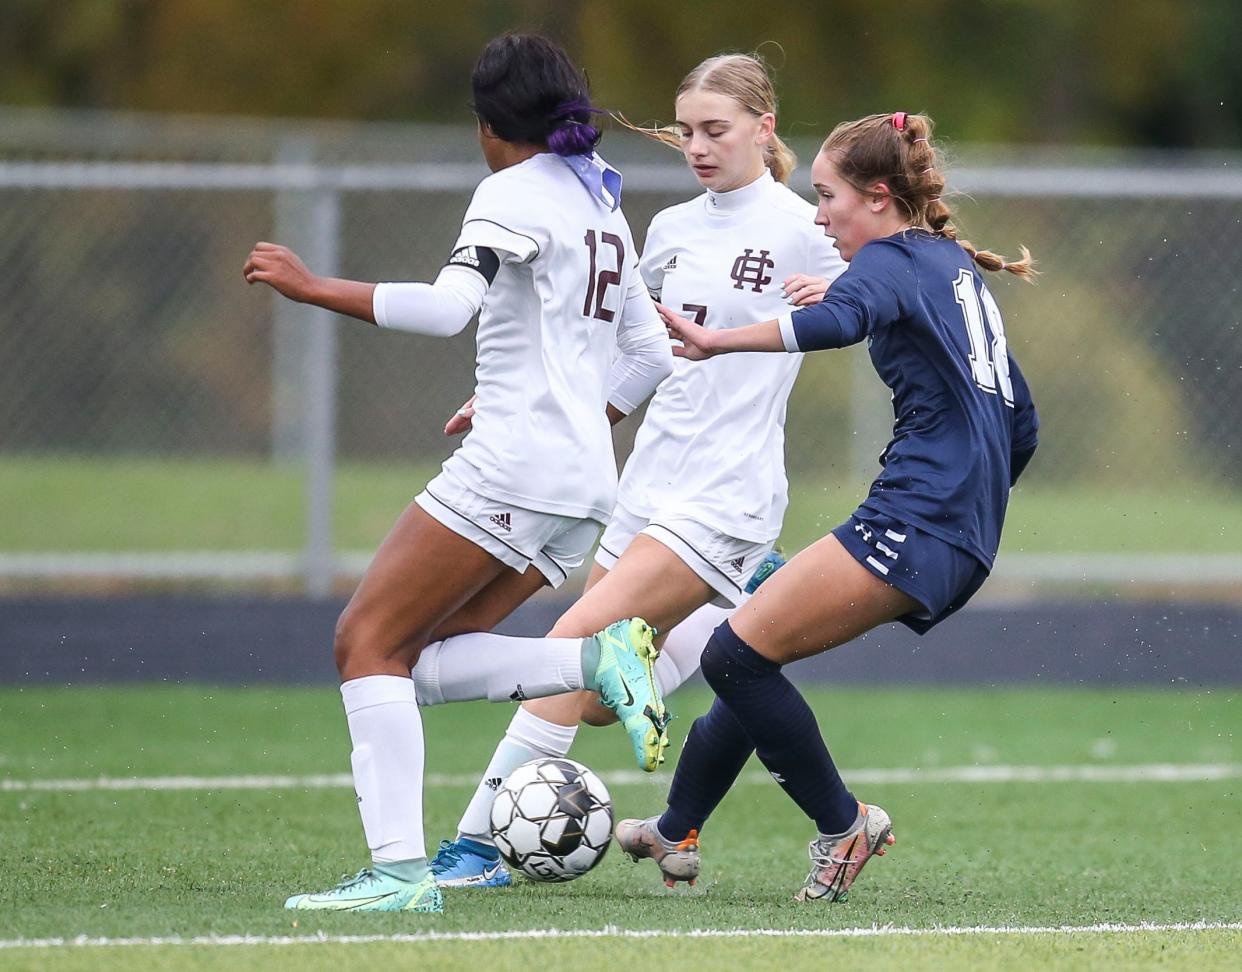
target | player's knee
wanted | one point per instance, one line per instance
(347, 641)
(362, 643)
(714, 664)
(730, 665)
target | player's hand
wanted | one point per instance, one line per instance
(281, 269)
(696, 340)
(462, 420)
(802, 289)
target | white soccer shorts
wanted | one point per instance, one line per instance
(724, 563)
(517, 537)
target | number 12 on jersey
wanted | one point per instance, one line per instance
(598, 281)
(989, 360)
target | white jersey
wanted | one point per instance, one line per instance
(566, 294)
(712, 445)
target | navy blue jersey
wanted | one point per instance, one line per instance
(965, 425)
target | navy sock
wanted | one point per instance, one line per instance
(776, 718)
(716, 750)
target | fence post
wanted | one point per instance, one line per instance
(321, 375)
(292, 209)
(304, 368)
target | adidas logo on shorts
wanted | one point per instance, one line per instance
(493, 783)
(502, 520)
(738, 563)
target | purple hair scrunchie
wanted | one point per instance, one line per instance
(571, 136)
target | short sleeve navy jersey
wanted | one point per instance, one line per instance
(965, 425)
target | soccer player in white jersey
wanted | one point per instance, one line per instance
(546, 254)
(703, 495)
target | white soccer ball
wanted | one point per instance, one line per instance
(552, 820)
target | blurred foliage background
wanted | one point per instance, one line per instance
(1155, 73)
(155, 403)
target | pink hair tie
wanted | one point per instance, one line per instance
(899, 121)
(921, 138)
(1004, 265)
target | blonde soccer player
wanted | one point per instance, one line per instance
(703, 494)
(546, 255)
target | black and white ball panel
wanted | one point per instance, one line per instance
(552, 820)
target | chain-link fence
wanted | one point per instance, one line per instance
(162, 419)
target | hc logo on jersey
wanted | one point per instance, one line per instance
(750, 269)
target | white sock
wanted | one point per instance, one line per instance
(387, 730)
(679, 658)
(528, 737)
(499, 668)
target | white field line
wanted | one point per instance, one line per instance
(611, 931)
(1143, 773)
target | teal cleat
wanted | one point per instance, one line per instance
(767, 567)
(626, 683)
(369, 890)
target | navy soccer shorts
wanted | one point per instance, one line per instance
(940, 576)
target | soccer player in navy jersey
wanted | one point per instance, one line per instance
(924, 539)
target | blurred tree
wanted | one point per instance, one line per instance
(1130, 72)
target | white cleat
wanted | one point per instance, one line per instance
(835, 863)
(677, 860)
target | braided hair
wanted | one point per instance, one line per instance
(898, 151)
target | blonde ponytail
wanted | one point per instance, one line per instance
(780, 159)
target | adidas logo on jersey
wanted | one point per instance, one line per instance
(493, 783)
(466, 256)
(671, 265)
(502, 520)
(518, 696)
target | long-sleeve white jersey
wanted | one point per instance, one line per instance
(566, 297)
(712, 445)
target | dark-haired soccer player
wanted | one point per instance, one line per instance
(547, 255)
(925, 538)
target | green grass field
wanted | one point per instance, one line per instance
(146, 505)
(214, 861)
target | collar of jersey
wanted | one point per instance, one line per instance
(722, 204)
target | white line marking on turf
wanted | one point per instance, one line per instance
(611, 931)
(1143, 773)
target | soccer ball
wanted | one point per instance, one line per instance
(552, 820)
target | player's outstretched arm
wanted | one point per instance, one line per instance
(283, 270)
(700, 343)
